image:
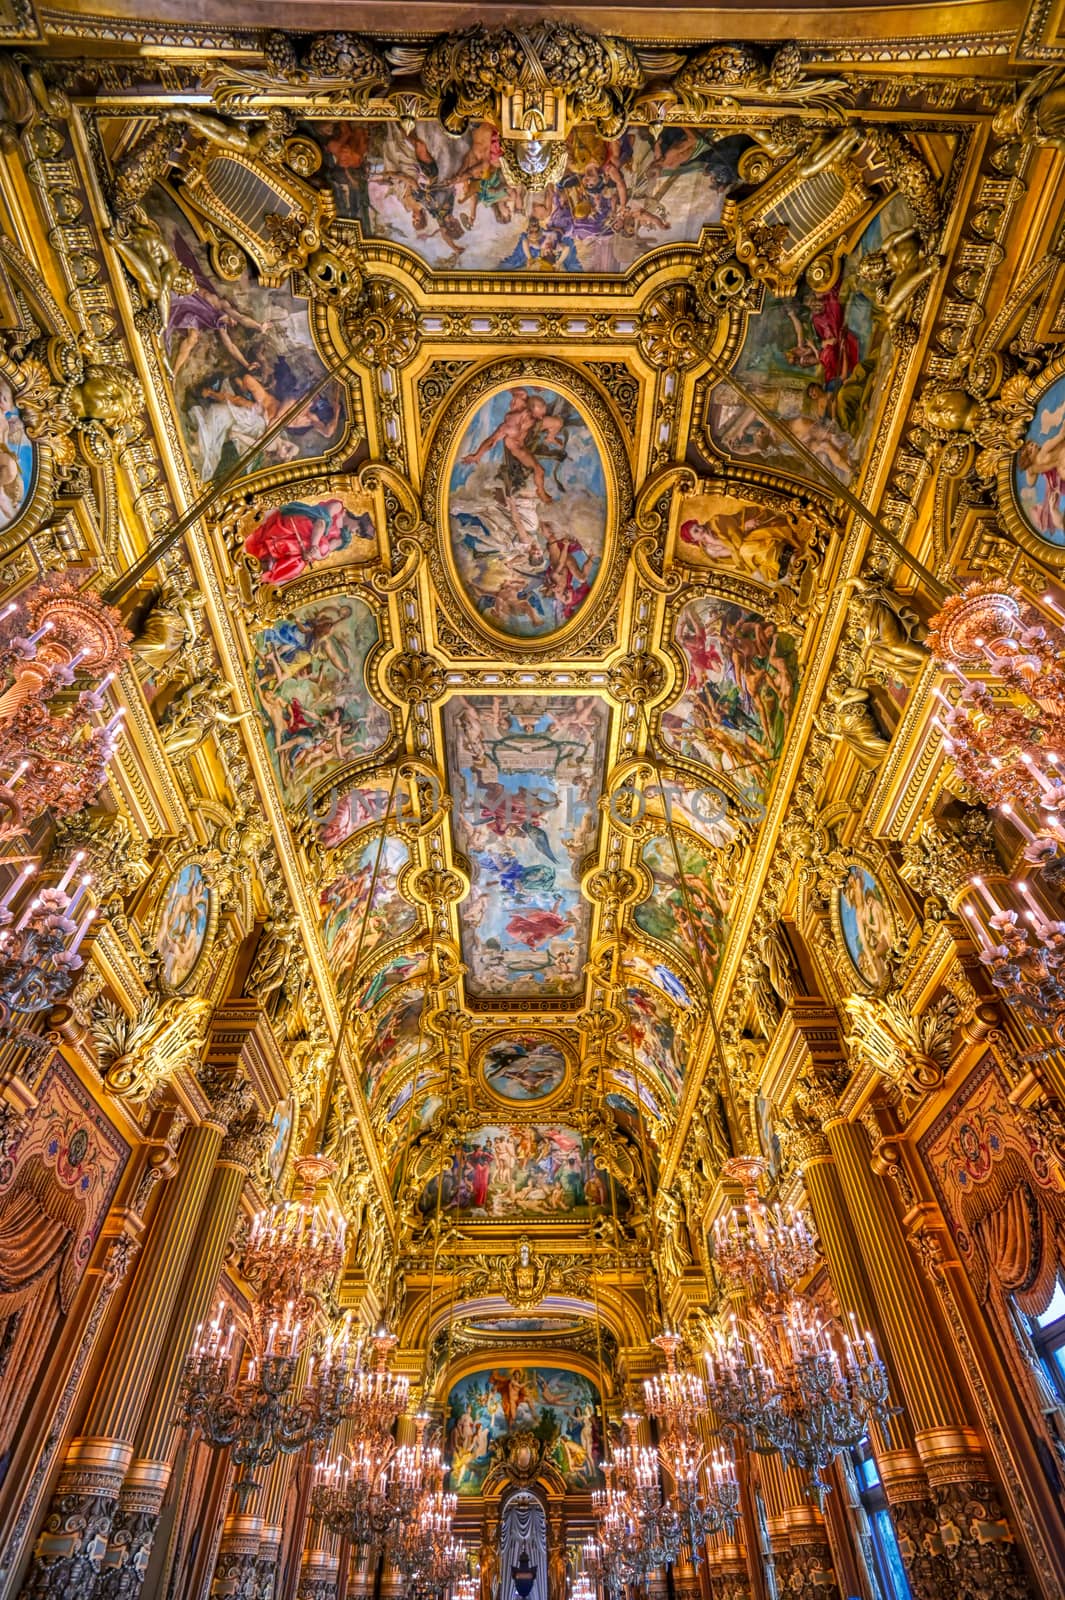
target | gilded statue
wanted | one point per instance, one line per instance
(892, 630)
(673, 1250)
(139, 244)
(193, 714)
(775, 957)
(896, 271)
(170, 630)
(279, 938)
(853, 723)
(108, 395)
(1037, 116)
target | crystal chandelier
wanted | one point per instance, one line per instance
(291, 1257)
(760, 1250)
(40, 951)
(797, 1392)
(638, 1528)
(1009, 753)
(1025, 962)
(705, 1482)
(371, 1495)
(53, 752)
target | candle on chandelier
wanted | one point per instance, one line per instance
(33, 906)
(978, 883)
(1022, 827)
(78, 894)
(45, 628)
(970, 911)
(1034, 912)
(16, 884)
(73, 866)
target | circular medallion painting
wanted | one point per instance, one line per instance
(867, 925)
(1039, 469)
(524, 1067)
(184, 924)
(527, 510)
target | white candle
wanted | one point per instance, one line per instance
(979, 883)
(35, 638)
(970, 911)
(77, 896)
(82, 929)
(9, 894)
(26, 915)
(75, 862)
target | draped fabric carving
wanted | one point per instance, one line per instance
(524, 1527)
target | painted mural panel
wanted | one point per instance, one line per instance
(664, 914)
(184, 923)
(559, 1406)
(397, 1042)
(447, 198)
(400, 968)
(342, 902)
(362, 806)
(726, 531)
(17, 458)
(239, 355)
(742, 677)
(527, 510)
(524, 1067)
(652, 1035)
(1039, 470)
(527, 773)
(819, 361)
(535, 1169)
(300, 535)
(516, 1325)
(309, 676)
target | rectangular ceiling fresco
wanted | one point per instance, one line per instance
(530, 1169)
(238, 356)
(526, 775)
(447, 198)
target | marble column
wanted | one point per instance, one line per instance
(74, 1539)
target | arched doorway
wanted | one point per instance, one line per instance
(522, 1529)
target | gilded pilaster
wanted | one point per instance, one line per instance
(73, 1542)
(905, 1484)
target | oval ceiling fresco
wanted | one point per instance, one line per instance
(523, 1067)
(527, 510)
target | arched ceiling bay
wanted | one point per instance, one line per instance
(523, 591)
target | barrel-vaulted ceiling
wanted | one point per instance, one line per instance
(523, 595)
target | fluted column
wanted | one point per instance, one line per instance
(975, 1548)
(802, 1555)
(129, 1552)
(73, 1541)
(905, 1483)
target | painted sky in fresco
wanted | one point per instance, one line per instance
(527, 511)
(527, 775)
(524, 1067)
(447, 199)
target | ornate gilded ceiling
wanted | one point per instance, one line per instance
(551, 456)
